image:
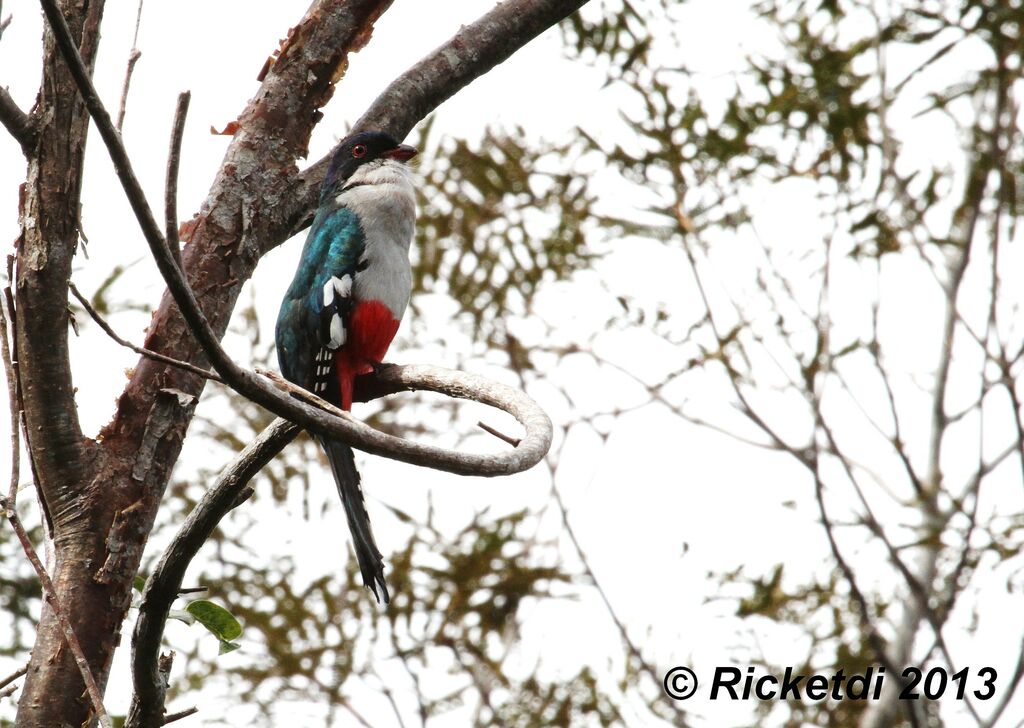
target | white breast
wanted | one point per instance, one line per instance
(382, 195)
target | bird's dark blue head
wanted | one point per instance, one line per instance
(357, 150)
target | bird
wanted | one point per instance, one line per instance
(347, 298)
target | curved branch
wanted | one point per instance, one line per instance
(147, 708)
(249, 384)
(527, 452)
(165, 582)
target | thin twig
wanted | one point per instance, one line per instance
(93, 690)
(642, 663)
(206, 373)
(808, 458)
(171, 717)
(133, 58)
(13, 676)
(171, 182)
(7, 353)
(513, 441)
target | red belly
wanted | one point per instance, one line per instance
(370, 331)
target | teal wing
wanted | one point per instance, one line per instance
(315, 310)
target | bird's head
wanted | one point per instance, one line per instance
(360, 154)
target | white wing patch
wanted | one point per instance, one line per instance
(338, 334)
(336, 292)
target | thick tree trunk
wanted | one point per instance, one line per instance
(102, 497)
(63, 460)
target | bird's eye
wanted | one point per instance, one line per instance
(359, 150)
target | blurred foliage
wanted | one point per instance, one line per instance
(818, 108)
(455, 602)
(457, 599)
(497, 219)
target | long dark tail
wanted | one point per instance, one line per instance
(343, 465)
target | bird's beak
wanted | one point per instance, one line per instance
(403, 153)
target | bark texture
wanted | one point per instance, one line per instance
(102, 496)
(63, 461)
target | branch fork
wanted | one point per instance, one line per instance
(473, 51)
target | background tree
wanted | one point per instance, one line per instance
(770, 296)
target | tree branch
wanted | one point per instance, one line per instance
(91, 687)
(173, 717)
(206, 374)
(171, 182)
(147, 708)
(460, 385)
(13, 676)
(469, 54)
(133, 57)
(8, 507)
(538, 436)
(20, 125)
(7, 353)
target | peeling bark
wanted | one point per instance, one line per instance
(101, 512)
(103, 496)
(63, 459)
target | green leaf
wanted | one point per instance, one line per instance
(216, 619)
(226, 647)
(139, 583)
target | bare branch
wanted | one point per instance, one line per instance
(641, 662)
(247, 383)
(95, 695)
(138, 349)
(172, 717)
(13, 676)
(8, 352)
(469, 54)
(133, 58)
(19, 124)
(171, 183)
(165, 582)
(513, 441)
(460, 385)
(874, 639)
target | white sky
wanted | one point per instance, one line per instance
(656, 485)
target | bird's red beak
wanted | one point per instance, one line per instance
(403, 153)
